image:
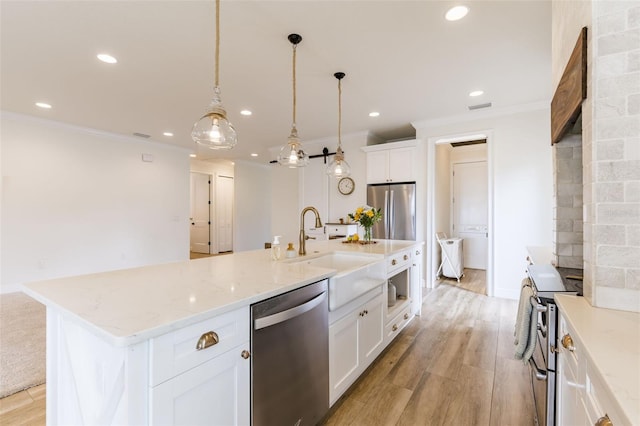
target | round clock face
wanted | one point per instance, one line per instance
(346, 185)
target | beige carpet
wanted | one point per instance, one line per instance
(22, 343)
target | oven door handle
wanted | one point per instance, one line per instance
(540, 374)
(537, 306)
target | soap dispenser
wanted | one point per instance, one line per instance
(275, 248)
(290, 252)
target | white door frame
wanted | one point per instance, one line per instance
(431, 243)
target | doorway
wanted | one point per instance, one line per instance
(224, 213)
(468, 156)
(199, 231)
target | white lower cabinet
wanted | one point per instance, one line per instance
(355, 340)
(582, 397)
(214, 393)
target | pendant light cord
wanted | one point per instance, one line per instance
(217, 67)
(340, 113)
(294, 85)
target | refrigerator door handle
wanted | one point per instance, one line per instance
(386, 214)
(392, 219)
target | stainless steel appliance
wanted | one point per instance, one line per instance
(398, 204)
(290, 357)
(548, 281)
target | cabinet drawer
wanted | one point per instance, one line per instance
(398, 261)
(174, 353)
(341, 230)
(397, 324)
(572, 356)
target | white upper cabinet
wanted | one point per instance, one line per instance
(391, 162)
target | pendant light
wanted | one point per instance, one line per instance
(338, 167)
(213, 130)
(291, 154)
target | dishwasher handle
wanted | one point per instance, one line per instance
(289, 313)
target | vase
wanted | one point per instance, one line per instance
(367, 235)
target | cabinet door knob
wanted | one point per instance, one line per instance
(417, 252)
(366, 312)
(394, 328)
(207, 339)
(567, 342)
(245, 354)
(406, 316)
(604, 421)
(393, 261)
(405, 257)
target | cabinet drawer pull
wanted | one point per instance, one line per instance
(567, 342)
(417, 252)
(394, 328)
(245, 354)
(207, 339)
(393, 261)
(406, 316)
(405, 257)
(604, 421)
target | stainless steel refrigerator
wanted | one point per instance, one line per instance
(398, 204)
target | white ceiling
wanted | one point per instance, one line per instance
(401, 58)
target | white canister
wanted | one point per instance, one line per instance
(391, 293)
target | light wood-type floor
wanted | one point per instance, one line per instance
(453, 365)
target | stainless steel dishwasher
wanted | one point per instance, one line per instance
(290, 358)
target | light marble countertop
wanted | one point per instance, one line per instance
(131, 305)
(611, 340)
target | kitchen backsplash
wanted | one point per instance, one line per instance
(568, 234)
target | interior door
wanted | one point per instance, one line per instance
(224, 213)
(200, 222)
(470, 211)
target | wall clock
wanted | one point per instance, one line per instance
(346, 185)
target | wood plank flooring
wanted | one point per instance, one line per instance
(452, 366)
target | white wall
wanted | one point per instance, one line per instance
(442, 211)
(253, 194)
(522, 184)
(77, 201)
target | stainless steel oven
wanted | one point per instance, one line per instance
(547, 281)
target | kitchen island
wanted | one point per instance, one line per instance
(115, 340)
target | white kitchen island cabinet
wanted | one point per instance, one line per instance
(121, 345)
(355, 340)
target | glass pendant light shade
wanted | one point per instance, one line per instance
(213, 130)
(291, 154)
(339, 168)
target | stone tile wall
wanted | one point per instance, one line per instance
(612, 162)
(567, 233)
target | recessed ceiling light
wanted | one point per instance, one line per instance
(43, 105)
(476, 93)
(192, 155)
(107, 58)
(374, 114)
(253, 154)
(456, 12)
(168, 134)
(245, 112)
